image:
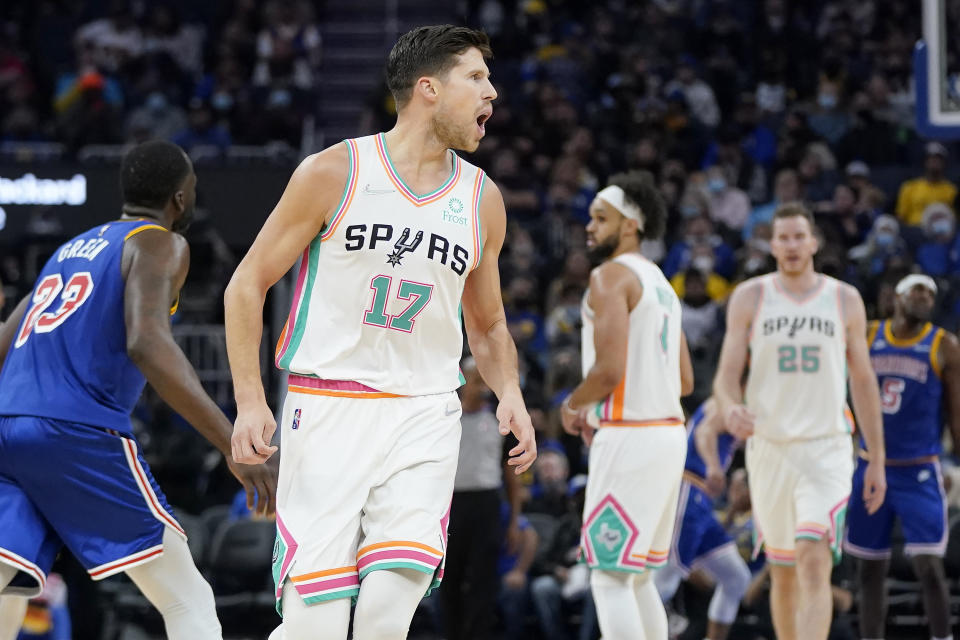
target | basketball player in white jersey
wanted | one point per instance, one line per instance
(635, 366)
(395, 231)
(804, 332)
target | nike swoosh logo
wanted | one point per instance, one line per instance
(375, 192)
(448, 412)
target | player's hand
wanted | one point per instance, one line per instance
(260, 483)
(874, 486)
(252, 432)
(739, 421)
(716, 481)
(513, 417)
(573, 420)
(586, 434)
(515, 580)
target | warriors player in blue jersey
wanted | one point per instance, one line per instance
(699, 540)
(76, 354)
(918, 369)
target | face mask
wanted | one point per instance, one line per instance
(689, 211)
(754, 264)
(941, 227)
(279, 98)
(716, 185)
(885, 239)
(222, 101)
(702, 263)
(156, 101)
(827, 100)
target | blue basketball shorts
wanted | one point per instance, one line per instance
(697, 533)
(63, 483)
(915, 494)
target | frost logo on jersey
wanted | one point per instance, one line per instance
(296, 419)
(403, 245)
(453, 208)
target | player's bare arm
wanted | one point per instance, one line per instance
(155, 265)
(866, 396)
(613, 287)
(686, 368)
(309, 198)
(949, 357)
(9, 327)
(705, 440)
(488, 336)
(727, 391)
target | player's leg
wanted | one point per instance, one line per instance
(772, 480)
(328, 620)
(652, 613)
(12, 608)
(783, 600)
(936, 597)
(667, 581)
(868, 539)
(618, 610)
(814, 600)
(732, 576)
(175, 587)
(386, 604)
(872, 575)
(924, 520)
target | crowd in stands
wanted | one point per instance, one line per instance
(733, 107)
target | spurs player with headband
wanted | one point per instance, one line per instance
(636, 366)
(395, 231)
(803, 331)
(918, 367)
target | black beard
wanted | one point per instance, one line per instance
(183, 223)
(601, 251)
(917, 318)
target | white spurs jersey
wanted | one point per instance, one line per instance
(649, 391)
(797, 386)
(377, 300)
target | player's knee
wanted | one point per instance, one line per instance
(813, 563)
(928, 568)
(607, 580)
(738, 580)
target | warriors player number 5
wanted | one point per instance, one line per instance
(78, 289)
(417, 293)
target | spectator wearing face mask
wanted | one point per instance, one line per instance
(882, 249)
(915, 195)
(702, 261)
(699, 233)
(938, 255)
(727, 204)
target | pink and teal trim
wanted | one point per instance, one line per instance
(332, 584)
(284, 550)
(478, 185)
(398, 554)
(296, 324)
(405, 191)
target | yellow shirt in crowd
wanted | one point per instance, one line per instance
(916, 194)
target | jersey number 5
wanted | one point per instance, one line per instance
(891, 394)
(75, 293)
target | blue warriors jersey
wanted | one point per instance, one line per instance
(726, 447)
(908, 372)
(68, 360)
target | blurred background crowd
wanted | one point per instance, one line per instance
(733, 107)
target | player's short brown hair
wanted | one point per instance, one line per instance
(792, 210)
(429, 51)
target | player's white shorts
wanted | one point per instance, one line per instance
(632, 493)
(365, 484)
(799, 490)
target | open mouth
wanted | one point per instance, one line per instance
(481, 122)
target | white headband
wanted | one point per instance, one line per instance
(913, 280)
(616, 198)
